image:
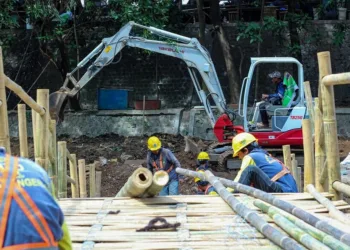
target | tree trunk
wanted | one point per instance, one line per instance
(232, 71)
(201, 19)
(294, 37)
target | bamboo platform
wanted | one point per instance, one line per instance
(207, 222)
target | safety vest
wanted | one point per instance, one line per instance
(10, 190)
(161, 167)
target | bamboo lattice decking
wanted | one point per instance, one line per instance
(207, 222)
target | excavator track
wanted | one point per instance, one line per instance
(222, 166)
(218, 144)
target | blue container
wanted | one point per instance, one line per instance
(109, 99)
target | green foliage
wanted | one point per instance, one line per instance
(339, 34)
(250, 31)
(6, 21)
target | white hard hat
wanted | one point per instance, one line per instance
(276, 74)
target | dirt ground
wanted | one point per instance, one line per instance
(113, 150)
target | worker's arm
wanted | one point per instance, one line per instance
(247, 161)
(174, 161)
(279, 93)
(149, 162)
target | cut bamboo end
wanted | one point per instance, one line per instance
(160, 179)
(342, 187)
(137, 183)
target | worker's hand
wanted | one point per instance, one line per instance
(264, 96)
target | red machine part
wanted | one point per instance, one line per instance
(225, 130)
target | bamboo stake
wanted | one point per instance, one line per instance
(137, 183)
(252, 217)
(333, 211)
(294, 168)
(24, 96)
(341, 187)
(74, 175)
(329, 117)
(92, 177)
(284, 205)
(160, 179)
(4, 128)
(98, 183)
(326, 239)
(287, 156)
(22, 130)
(34, 132)
(308, 97)
(320, 156)
(82, 178)
(53, 150)
(293, 230)
(308, 154)
(42, 130)
(62, 169)
(298, 179)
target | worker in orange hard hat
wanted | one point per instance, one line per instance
(259, 169)
(30, 218)
(159, 158)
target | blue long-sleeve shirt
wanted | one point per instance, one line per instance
(279, 93)
(168, 159)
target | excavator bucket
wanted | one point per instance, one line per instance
(58, 101)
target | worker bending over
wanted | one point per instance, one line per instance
(30, 218)
(159, 158)
(259, 169)
(203, 187)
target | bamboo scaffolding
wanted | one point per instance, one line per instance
(252, 217)
(320, 156)
(287, 156)
(137, 183)
(326, 239)
(82, 178)
(308, 154)
(160, 179)
(62, 169)
(92, 180)
(42, 130)
(333, 211)
(74, 175)
(329, 116)
(342, 187)
(53, 152)
(98, 183)
(282, 204)
(4, 128)
(308, 98)
(293, 230)
(22, 130)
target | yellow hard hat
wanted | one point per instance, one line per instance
(203, 156)
(240, 141)
(154, 143)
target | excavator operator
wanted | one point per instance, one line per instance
(30, 218)
(159, 158)
(274, 99)
(259, 169)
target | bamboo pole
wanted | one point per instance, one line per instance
(293, 230)
(92, 176)
(342, 187)
(160, 179)
(62, 169)
(53, 151)
(137, 183)
(252, 217)
(82, 178)
(333, 211)
(98, 183)
(22, 130)
(34, 133)
(308, 153)
(294, 168)
(298, 179)
(320, 156)
(74, 175)
(284, 205)
(308, 97)
(326, 239)
(24, 96)
(42, 130)
(329, 117)
(71, 181)
(287, 156)
(4, 128)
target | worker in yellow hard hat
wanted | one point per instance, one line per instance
(203, 187)
(159, 158)
(259, 169)
(30, 217)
